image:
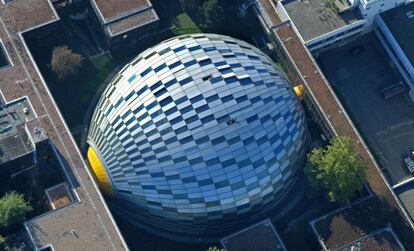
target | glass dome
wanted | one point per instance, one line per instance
(198, 135)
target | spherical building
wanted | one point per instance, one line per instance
(197, 135)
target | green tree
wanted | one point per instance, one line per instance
(212, 12)
(7, 244)
(65, 63)
(337, 169)
(13, 209)
(214, 249)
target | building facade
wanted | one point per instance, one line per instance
(322, 26)
(197, 136)
(395, 29)
(126, 23)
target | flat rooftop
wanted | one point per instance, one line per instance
(384, 208)
(381, 240)
(133, 21)
(314, 18)
(405, 193)
(400, 21)
(88, 218)
(113, 9)
(259, 237)
(347, 226)
(13, 137)
(122, 16)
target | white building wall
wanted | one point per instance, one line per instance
(328, 39)
(395, 52)
(370, 8)
(337, 36)
(281, 11)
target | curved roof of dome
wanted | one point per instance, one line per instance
(197, 128)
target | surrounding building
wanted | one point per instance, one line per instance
(383, 208)
(220, 135)
(258, 237)
(200, 135)
(15, 151)
(350, 239)
(395, 30)
(124, 22)
(32, 128)
(323, 24)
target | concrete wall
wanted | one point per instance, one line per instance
(132, 37)
(281, 11)
(337, 36)
(369, 10)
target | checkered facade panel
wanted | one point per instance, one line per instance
(198, 131)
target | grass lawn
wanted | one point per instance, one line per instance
(102, 65)
(183, 24)
(74, 95)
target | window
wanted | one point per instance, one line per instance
(194, 48)
(164, 51)
(204, 62)
(148, 70)
(179, 48)
(159, 68)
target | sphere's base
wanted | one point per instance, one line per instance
(293, 195)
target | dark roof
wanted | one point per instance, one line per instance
(122, 16)
(381, 240)
(352, 223)
(400, 21)
(385, 207)
(113, 9)
(261, 237)
(88, 216)
(13, 136)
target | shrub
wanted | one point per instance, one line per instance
(13, 209)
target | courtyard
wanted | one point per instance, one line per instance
(358, 72)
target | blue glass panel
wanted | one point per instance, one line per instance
(175, 64)
(159, 68)
(148, 70)
(130, 79)
(179, 48)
